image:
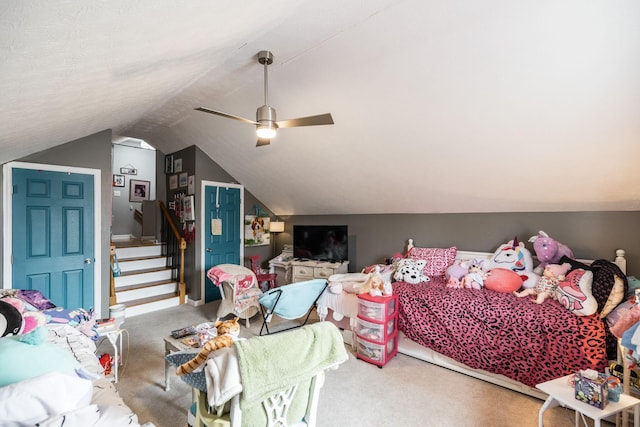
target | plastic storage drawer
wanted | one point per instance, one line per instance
(375, 331)
(376, 308)
(376, 353)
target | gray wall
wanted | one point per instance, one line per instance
(591, 235)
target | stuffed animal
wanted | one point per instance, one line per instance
(410, 271)
(228, 332)
(474, 279)
(548, 250)
(514, 256)
(460, 268)
(546, 288)
(24, 324)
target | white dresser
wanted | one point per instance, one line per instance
(307, 270)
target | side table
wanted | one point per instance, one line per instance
(561, 393)
(170, 345)
(114, 336)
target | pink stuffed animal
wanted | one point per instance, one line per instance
(546, 288)
(548, 250)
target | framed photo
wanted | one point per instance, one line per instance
(138, 190)
(256, 230)
(187, 209)
(173, 182)
(118, 180)
(183, 179)
(191, 187)
(177, 165)
(168, 164)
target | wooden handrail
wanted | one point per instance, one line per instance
(112, 282)
(182, 246)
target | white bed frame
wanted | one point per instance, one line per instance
(413, 349)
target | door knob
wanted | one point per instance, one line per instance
(208, 250)
(87, 260)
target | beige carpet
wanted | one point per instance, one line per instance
(406, 392)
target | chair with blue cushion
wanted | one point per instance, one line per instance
(291, 302)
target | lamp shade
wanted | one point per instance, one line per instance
(276, 226)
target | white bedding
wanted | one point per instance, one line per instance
(58, 399)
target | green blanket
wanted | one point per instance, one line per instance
(271, 363)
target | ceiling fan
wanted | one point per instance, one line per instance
(266, 124)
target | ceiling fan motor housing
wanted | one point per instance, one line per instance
(266, 115)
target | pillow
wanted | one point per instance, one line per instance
(21, 361)
(574, 292)
(38, 399)
(437, 259)
(503, 280)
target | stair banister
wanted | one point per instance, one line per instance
(112, 283)
(175, 236)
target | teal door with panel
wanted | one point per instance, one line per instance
(221, 247)
(53, 241)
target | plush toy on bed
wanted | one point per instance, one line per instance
(475, 278)
(228, 332)
(458, 270)
(546, 288)
(514, 256)
(24, 324)
(548, 250)
(410, 271)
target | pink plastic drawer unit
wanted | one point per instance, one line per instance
(377, 328)
(376, 331)
(375, 352)
(377, 308)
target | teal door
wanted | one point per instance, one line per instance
(53, 241)
(223, 203)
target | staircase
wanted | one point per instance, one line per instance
(145, 283)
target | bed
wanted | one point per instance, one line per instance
(493, 336)
(56, 378)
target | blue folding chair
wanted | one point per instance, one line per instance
(291, 302)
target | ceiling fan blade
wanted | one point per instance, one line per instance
(229, 116)
(321, 119)
(262, 142)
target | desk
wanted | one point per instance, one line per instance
(561, 393)
(170, 345)
(114, 336)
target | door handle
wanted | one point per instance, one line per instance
(208, 250)
(87, 260)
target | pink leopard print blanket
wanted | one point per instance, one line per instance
(500, 333)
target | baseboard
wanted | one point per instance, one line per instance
(121, 237)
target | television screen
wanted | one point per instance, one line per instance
(320, 242)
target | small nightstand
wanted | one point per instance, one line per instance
(562, 393)
(114, 336)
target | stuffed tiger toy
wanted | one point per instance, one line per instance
(228, 332)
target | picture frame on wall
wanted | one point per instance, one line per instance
(118, 180)
(139, 190)
(183, 179)
(173, 182)
(168, 164)
(177, 165)
(256, 230)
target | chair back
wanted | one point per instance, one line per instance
(293, 301)
(254, 262)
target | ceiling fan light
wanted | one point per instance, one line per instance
(266, 131)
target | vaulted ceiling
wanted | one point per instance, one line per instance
(439, 105)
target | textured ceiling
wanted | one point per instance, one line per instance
(439, 106)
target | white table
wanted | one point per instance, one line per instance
(561, 393)
(114, 336)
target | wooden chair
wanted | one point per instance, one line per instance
(262, 275)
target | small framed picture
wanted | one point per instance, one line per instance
(177, 165)
(173, 182)
(191, 187)
(138, 190)
(168, 164)
(183, 179)
(118, 180)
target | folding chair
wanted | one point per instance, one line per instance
(290, 302)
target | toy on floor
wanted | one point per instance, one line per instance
(228, 332)
(546, 288)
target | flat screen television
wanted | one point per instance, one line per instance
(320, 242)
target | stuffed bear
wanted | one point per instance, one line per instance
(410, 271)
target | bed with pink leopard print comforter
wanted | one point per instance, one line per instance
(500, 333)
